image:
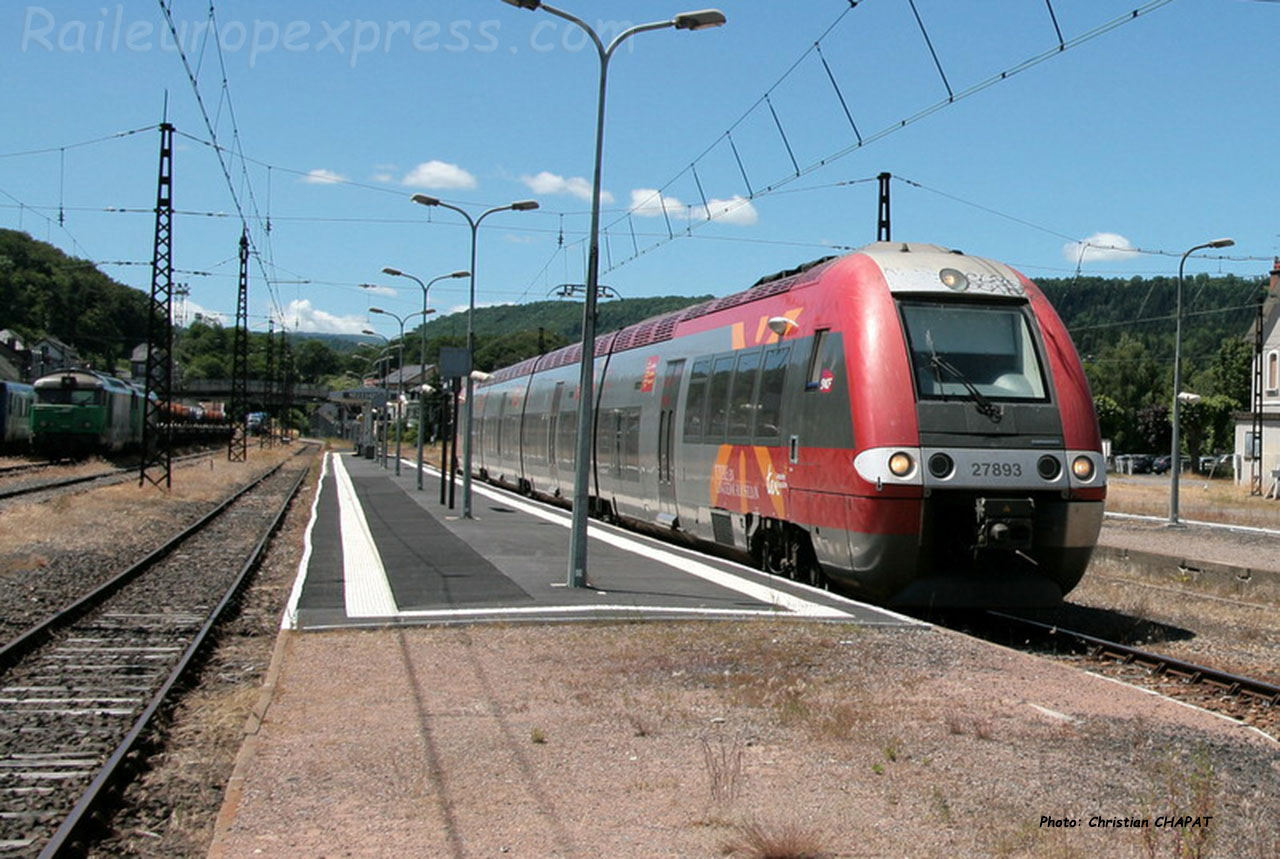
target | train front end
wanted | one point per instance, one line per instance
(998, 445)
(69, 417)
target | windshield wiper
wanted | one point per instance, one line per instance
(984, 406)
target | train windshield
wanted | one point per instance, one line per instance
(974, 351)
(68, 397)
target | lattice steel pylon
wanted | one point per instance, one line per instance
(157, 438)
(237, 447)
(268, 438)
(289, 377)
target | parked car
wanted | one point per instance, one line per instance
(1160, 465)
(1141, 463)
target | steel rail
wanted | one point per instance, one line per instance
(72, 481)
(1234, 684)
(30, 466)
(82, 812)
(32, 637)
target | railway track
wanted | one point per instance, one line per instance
(117, 474)
(1245, 699)
(81, 690)
(8, 470)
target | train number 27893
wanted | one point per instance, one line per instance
(996, 469)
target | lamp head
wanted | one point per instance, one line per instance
(780, 325)
(1222, 243)
(531, 5)
(461, 274)
(370, 332)
(425, 200)
(524, 205)
(376, 310)
(703, 19)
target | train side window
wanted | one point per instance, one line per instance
(718, 398)
(813, 376)
(631, 444)
(769, 417)
(742, 398)
(695, 413)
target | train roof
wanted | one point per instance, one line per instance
(660, 328)
(908, 267)
(85, 379)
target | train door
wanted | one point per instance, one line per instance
(667, 442)
(553, 433)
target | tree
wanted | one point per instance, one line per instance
(1230, 374)
(1155, 432)
(1114, 421)
(315, 360)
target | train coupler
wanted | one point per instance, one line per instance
(1004, 523)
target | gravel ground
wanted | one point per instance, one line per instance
(688, 740)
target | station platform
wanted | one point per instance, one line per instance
(381, 552)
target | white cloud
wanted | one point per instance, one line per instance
(1099, 247)
(650, 203)
(438, 174)
(385, 178)
(462, 308)
(375, 289)
(301, 316)
(549, 183)
(321, 176)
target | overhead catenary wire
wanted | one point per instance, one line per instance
(210, 127)
(953, 97)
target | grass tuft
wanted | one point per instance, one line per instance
(756, 840)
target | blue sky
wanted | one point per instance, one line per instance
(1156, 135)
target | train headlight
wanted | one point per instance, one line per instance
(1049, 467)
(941, 465)
(901, 464)
(954, 279)
(1082, 468)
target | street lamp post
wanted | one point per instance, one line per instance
(1175, 459)
(700, 20)
(400, 378)
(382, 356)
(422, 358)
(468, 415)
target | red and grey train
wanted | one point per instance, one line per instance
(909, 424)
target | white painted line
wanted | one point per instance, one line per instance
(290, 618)
(365, 590)
(771, 596)
(586, 608)
(1221, 526)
